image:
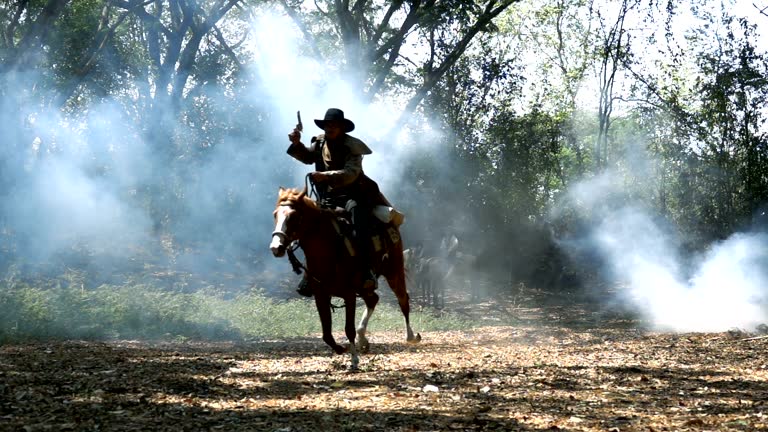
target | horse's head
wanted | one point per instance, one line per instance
(288, 219)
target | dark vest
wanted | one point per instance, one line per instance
(330, 159)
(363, 190)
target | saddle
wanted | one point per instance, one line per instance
(384, 236)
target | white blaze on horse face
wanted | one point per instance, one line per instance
(281, 225)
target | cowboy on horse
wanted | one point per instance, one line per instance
(341, 183)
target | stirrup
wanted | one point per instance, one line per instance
(304, 288)
(369, 283)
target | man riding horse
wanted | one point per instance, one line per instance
(340, 182)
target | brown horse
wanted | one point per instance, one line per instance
(331, 271)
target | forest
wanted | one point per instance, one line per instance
(584, 183)
(568, 146)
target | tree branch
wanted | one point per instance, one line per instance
(38, 32)
(393, 44)
(227, 48)
(430, 80)
(393, 7)
(397, 39)
(99, 43)
(8, 33)
(762, 11)
(303, 28)
(189, 53)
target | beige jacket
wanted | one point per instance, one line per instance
(342, 161)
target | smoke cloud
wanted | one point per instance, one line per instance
(69, 181)
(77, 183)
(717, 290)
(294, 82)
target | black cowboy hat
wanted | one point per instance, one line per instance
(335, 114)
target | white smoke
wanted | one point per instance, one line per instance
(721, 289)
(74, 188)
(294, 81)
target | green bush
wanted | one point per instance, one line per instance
(146, 312)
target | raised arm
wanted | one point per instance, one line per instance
(299, 151)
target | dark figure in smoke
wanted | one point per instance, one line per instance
(340, 182)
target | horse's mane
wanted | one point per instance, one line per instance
(293, 196)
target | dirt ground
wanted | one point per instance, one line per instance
(548, 375)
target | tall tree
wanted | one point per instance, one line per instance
(27, 31)
(373, 36)
(734, 89)
(561, 33)
(614, 51)
(172, 31)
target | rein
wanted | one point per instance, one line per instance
(297, 265)
(310, 186)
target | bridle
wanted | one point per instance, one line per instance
(292, 245)
(308, 185)
(284, 237)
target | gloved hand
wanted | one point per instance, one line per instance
(318, 177)
(295, 136)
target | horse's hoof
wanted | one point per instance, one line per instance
(364, 348)
(415, 339)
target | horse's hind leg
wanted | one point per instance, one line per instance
(397, 283)
(371, 300)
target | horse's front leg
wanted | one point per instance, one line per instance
(350, 304)
(323, 304)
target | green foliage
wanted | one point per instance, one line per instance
(527, 177)
(709, 142)
(686, 133)
(734, 91)
(145, 312)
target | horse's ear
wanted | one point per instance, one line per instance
(281, 193)
(303, 193)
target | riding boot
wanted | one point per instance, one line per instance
(304, 288)
(363, 240)
(369, 278)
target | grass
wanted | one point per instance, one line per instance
(147, 312)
